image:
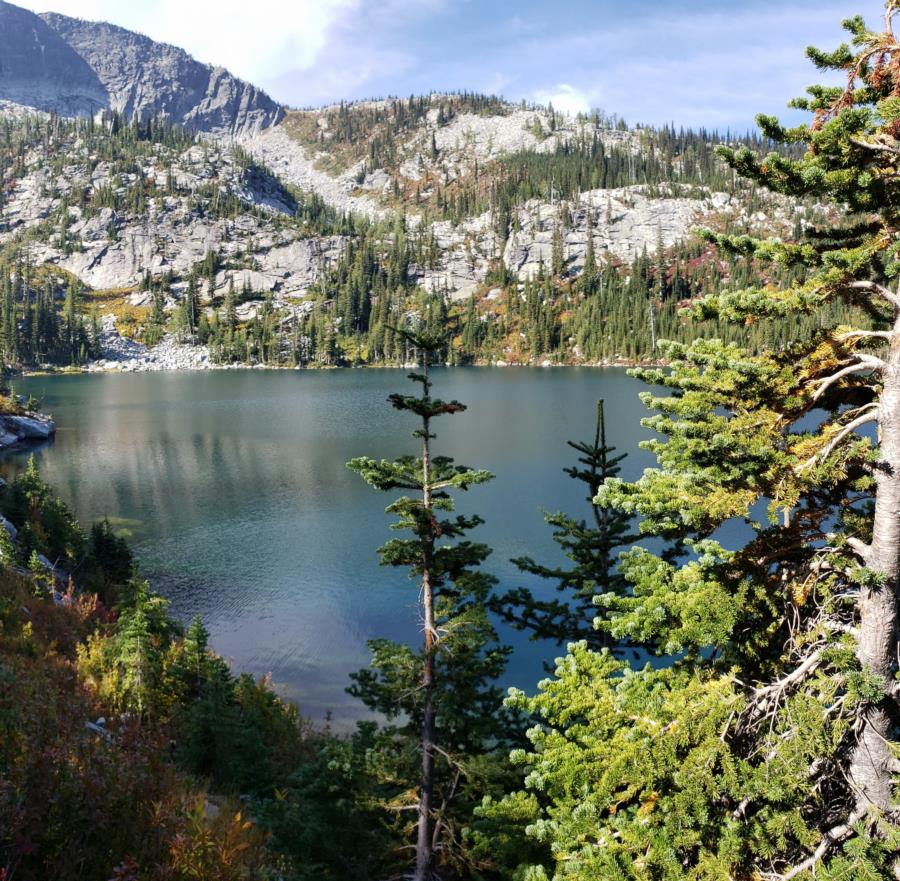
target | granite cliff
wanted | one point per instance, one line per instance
(75, 68)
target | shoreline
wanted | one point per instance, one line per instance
(207, 367)
(120, 354)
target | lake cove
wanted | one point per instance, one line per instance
(233, 489)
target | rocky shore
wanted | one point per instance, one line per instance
(128, 356)
(27, 428)
(124, 355)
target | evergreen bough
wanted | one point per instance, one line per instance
(764, 744)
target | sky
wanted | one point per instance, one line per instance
(692, 62)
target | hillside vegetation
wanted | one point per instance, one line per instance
(535, 236)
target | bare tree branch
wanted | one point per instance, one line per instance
(849, 428)
(741, 810)
(797, 675)
(874, 288)
(863, 363)
(864, 334)
(832, 837)
(859, 547)
(876, 146)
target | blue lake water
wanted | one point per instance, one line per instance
(234, 490)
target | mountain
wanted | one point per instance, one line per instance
(308, 236)
(38, 68)
(74, 67)
(144, 78)
(496, 180)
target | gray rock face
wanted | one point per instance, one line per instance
(287, 158)
(114, 249)
(33, 427)
(39, 69)
(144, 78)
(74, 67)
(30, 427)
(625, 221)
(176, 242)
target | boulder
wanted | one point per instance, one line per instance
(32, 427)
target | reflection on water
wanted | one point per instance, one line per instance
(233, 488)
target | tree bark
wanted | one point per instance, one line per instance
(871, 761)
(424, 849)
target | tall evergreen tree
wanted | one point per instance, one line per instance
(590, 546)
(443, 695)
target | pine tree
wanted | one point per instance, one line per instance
(195, 653)
(72, 324)
(41, 578)
(766, 745)
(156, 321)
(7, 547)
(590, 546)
(589, 276)
(190, 303)
(210, 742)
(137, 658)
(557, 253)
(96, 347)
(444, 693)
(230, 306)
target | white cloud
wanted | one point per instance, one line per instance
(567, 98)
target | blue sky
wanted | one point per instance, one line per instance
(695, 63)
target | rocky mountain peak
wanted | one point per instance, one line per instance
(74, 67)
(38, 68)
(144, 78)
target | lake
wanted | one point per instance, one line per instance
(234, 492)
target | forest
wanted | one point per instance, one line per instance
(606, 311)
(760, 742)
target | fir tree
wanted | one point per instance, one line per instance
(443, 693)
(7, 547)
(589, 545)
(557, 253)
(589, 276)
(195, 655)
(137, 649)
(156, 322)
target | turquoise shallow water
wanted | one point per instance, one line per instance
(234, 488)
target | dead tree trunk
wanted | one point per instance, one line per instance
(871, 762)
